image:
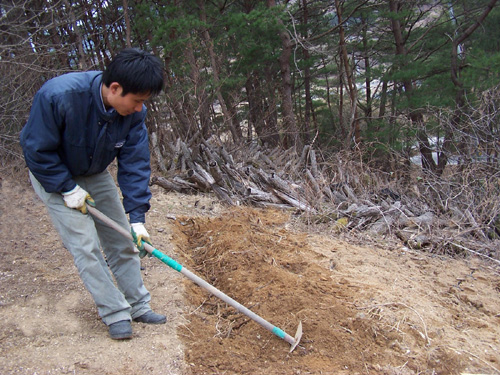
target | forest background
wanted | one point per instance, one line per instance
(355, 105)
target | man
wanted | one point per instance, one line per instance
(78, 124)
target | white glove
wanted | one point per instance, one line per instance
(76, 198)
(140, 234)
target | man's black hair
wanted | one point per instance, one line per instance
(137, 72)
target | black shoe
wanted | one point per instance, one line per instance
(120, 330)
(151, 318)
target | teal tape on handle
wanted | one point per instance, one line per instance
(167, 260)
(278, 332)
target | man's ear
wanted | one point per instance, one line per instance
(115, 88)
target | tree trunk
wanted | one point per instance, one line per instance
(127, 24)
(415, 116)
(308, 110)
(354, 122)
(291, 136)
(235, 131)
(341, 99)
(82, 60)
(202, 99)
(368, 78)
(266, 130)
(383, 99)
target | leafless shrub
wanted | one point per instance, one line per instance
(471, 182)
(29, 55)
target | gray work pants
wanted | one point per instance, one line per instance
(84, 237)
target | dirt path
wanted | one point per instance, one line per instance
(49, 321)
(364, 310)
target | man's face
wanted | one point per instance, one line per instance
(128, 104)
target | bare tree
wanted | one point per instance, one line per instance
(291, 136)
(460, 90)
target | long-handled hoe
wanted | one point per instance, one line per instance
(293, 341)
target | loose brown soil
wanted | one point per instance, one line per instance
(364, 309)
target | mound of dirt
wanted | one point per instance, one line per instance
(364, 310)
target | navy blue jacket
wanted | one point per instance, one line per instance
(69, 134)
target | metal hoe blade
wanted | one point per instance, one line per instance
(293, 341)
(298, 336)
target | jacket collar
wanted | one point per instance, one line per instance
(97, 98)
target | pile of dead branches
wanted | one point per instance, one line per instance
(423, 212)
